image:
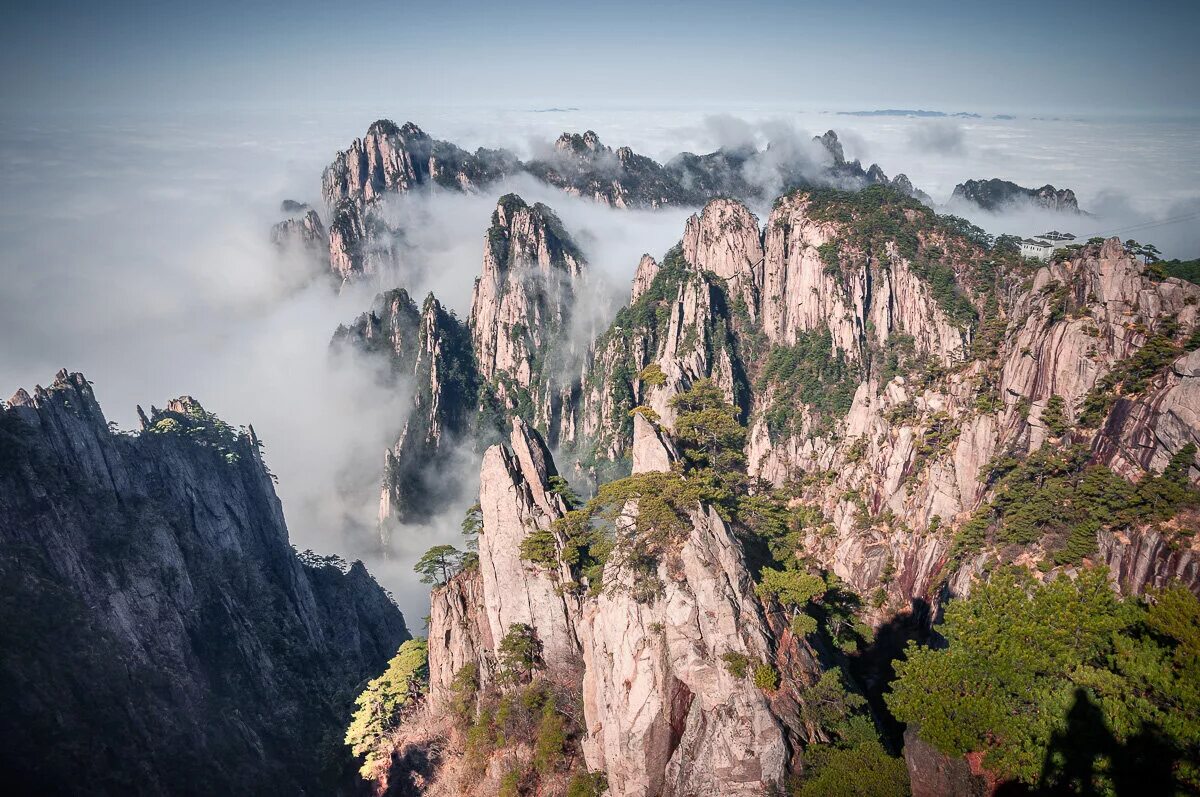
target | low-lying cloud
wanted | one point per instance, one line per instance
(137, 252)
(938, 137)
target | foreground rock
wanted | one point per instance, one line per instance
(162, 637)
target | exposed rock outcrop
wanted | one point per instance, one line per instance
(903, 446)
(460, 635)
(996, 195)
(301, 232)
(163, 637)
(664, 715)
(1143, 560)
(522, 310)
(430, 354)
(931, 773)
(393, 159)
(516, 497)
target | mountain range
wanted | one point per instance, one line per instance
(849, 498)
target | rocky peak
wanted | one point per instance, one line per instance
(431, 349)
(833, 146)
(644, 275)
(723, 238)
(392, 160)
(521, 306)
(577, 144)
(516, 498)
(652, 450)
(301, 232)
(390, 327)
(996, 194)
(70, 392)
(1056, 199)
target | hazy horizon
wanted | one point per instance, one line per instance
(1071, 57)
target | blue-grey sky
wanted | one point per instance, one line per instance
(1072, 56)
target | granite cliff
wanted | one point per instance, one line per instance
(392, 159)
(914, 399)
(161, 636)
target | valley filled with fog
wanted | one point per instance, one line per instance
(137, 252)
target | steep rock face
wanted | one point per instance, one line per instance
(907, 447)
(393, 159)
(389, 329)
(652, 451)
(933, 774)
(996, 194)
(1107, 303)
(459, 635)
(647, 269)
(444, 384)
(775, 287)
(806, 292)
(160, 613)
(430, 352)
(1076, 322)
(725, 240)
(1143, 435)
(302, 232)
(802, 296)
(1141, 560)
(348, 244)
(516, 498)
(681, 327)
(522, 309)
(664, 716)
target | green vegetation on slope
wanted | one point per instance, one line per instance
(1063, 685)
(381, 705)
(811, 372)
(1182, 269)
(1060, 498)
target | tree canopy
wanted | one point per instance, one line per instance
(381, 704)
(438, 564)
(1039, 677)
(519, 653)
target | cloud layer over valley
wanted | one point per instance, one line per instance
(137, 252)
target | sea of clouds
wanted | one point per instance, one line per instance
(136, 251)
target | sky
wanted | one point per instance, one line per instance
(1073, 56)
(145, 149)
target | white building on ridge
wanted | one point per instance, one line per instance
(1041, 247)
